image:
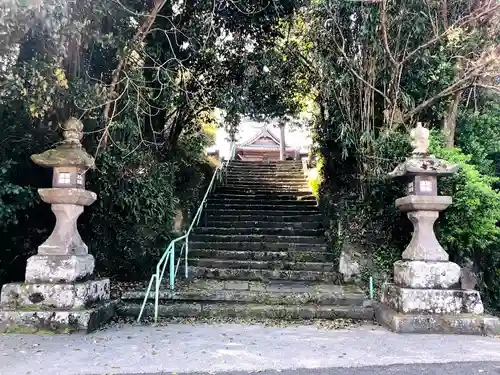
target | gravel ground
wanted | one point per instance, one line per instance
(184, 348)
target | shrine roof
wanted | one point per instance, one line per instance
(262, 148)
(266, 137)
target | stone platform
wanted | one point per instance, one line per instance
(62, 296)
(37, 320)
(57, 308)
(466, 324)
(433, 301)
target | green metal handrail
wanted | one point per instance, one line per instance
(168, 257)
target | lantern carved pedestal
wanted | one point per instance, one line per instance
(426, 295)
(60, 293)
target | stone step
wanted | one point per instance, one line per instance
(264, 207)
(250, 216)
(266, 225)
(269, 176)
(261, 190)
(251, 211)
(266, 174)
(263, 200)
(272, 197)
(266, 180)
(281, 265)
(298, 256)
(257, 246)
(250, 311)
(270, 293)
(279, 195)
(236, 230)
(269, 188)
(263, 185)
(263, 274)
(260, 238)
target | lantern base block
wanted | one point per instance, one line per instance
(59, 268)
(463, 324)
(57, 296)
(432, 301)
(56, 320)
(421, 274)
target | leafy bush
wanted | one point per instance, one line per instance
(470, 227)
(132, 218)
(316, 178)
(14, 199)
(139, 194)
(478, 135)
(130, 223)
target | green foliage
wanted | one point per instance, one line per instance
(470, 228)
(14, 199)
(316, 180)
(139, 194)
(146, 97)
(210, 134)
(132, 219)
(471, 222)
(478, 136)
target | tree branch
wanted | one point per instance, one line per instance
(138, 38)
(460, 85)
(461, 22)
(383, 25)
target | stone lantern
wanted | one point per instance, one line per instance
(426, 295)
(60, 292)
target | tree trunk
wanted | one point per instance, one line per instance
(450, 120)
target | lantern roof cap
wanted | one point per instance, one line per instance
(425, 165)
(69, 152)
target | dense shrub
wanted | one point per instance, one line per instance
(470, 227)
(478, 136)
(371, 219)
(316, 176)
(132, 217)
(139, 195)
(130, 223)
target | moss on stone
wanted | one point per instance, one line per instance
(63, 156)
(20, 329)
(31, 308)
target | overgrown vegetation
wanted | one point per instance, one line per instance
(375, 69)
(146, 77)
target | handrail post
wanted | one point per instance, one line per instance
(186, 259)
(172, 269)
(143, 306)
(157, 296)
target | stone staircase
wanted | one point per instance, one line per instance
(259, 252)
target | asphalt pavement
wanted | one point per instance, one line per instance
(456, 368)
(225, 349)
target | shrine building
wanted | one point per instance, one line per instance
(264, 145)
